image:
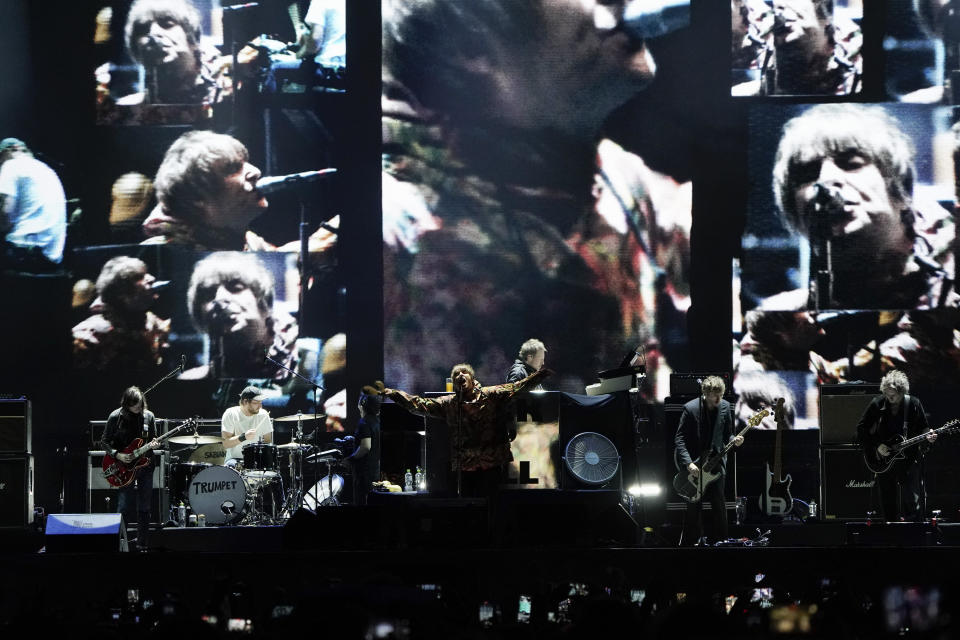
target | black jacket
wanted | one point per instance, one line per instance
(121, 429)
(878, 425)
(687, 440)
(519, 371)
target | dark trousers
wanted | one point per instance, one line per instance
(900, 491)
(693, 524)
(134, 500)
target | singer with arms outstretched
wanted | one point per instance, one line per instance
(479, 445)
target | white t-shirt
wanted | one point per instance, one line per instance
(328, 25)
(236, 422)
(37, 204)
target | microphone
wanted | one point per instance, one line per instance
(828, 201)
(651, 18)
(239, 7)
(270, 184)
(183, 362)
(227, 508)
(159, 284)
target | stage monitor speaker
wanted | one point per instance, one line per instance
(85, 532)
(847, 484)
(16, 430)
(841, 406)
(16, 491)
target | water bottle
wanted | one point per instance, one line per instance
(812, 510)
(408, 481)
(181, 515)
(418, 479)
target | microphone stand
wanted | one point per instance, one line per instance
(459, 440)
(821, 254)
(317, 389)
(176, 370)
(164, 467)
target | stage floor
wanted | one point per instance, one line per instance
(425, 572)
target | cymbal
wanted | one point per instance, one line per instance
(195, 439)
(301, 416)
(294, 445)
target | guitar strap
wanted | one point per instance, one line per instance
(906, 414)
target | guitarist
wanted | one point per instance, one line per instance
(706, 424)
(892, 414)
(131, 421)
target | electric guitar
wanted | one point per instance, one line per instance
(690, 487)
(120, 474)
(897, 445)
(776, 499)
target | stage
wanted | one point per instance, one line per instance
(441, 569)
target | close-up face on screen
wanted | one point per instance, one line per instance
(849, 250)
(188, 61)
(796, 47)
(511, 208)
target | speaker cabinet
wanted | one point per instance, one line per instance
(841, 406)
(849, 488)
(102, 498)
(16, 491)
(85, 532)
(609, 415)
(16, 430)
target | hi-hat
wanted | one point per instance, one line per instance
(294, 445)
(195, 439)
(301, 416)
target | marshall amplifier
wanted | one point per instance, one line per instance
(849, 488)
(687, 385)
(841, 406)
(15, 426)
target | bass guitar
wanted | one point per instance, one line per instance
(690, 487)
(120, 474)
(897, 445)
(776, 499)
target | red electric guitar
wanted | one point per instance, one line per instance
(120, 474)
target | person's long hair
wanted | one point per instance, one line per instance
(132, 396)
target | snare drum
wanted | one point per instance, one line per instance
(181, 474)
(220, 494)
(260, 460)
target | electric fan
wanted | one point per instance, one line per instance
(591, 458)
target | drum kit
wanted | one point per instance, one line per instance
(265, 487)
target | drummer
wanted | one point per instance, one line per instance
(247, 422)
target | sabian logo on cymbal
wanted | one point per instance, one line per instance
(860, 484)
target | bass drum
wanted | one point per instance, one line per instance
(220, 494)
(181, 473)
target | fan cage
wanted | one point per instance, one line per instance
(592, 458)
